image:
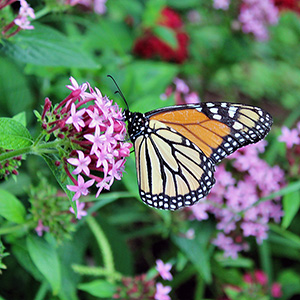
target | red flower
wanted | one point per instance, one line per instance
(288, 4)
(170, 18)
(151, 46)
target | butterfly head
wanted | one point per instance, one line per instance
(136, 123)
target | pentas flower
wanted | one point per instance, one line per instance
(164, 269)
(98, 6)
(150, 45)
(26, 14)
(181, 92)
(139, 287)
(92, 132)
(162, 292)
(80, 210)
(256, 15)
(255, 286)
(289, 136)
(41, 228)
(234, 203)
(9, 166)
(221, 4)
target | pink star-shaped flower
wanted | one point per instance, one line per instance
(97, 119)
(162, 292)
(40, 228)
(75, 86)
(95, 139)
(81, 188)
(164, 269)
(117, 169)
(75, 117)
(290, 137)
(80, 210)
(104, 184)
(81, 162)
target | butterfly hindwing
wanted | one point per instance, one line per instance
(172, 171)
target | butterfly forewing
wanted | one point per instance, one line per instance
(219, 128)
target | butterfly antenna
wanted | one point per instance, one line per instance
(119, 90)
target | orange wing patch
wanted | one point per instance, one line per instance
(207, 134)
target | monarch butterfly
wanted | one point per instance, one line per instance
(177, 147)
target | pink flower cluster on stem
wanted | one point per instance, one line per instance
(93, 132)
(235, 203)
(97, 5)
(182, 93)
(22, 20)
(256, 15)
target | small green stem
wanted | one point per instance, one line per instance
(44, 11)
(38, 139)
(41, 294)
(95, 271)
(12, 229)
(49, 147)
(11, 154)
(103, 245)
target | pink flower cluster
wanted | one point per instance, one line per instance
(25, 13)
(97, 5)
(22, 20)
(182, 93)
(92, 132)
(164, 271)
(145, 286)
(255, 286)
(290, 136)
(221, 4)
(235, 203)
(255, 16)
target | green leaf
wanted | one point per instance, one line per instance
(21, 118)
(60, 176)
(47, 47)
(130, 177)
(152, 12)
(184, 4)
(167, 35)
(291, 204)
(108, 32)
(15, 94)
(21, 253)
(145, 81)
(45, 258)
(13, 135)
(98, 288)
(196, 250)
(290, 281)
(11, 208)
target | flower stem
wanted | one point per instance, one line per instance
(34, 149)
(11, 154)
(95, 271)
(103, 245)
(15, 228)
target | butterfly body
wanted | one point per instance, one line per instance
(177, 147)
